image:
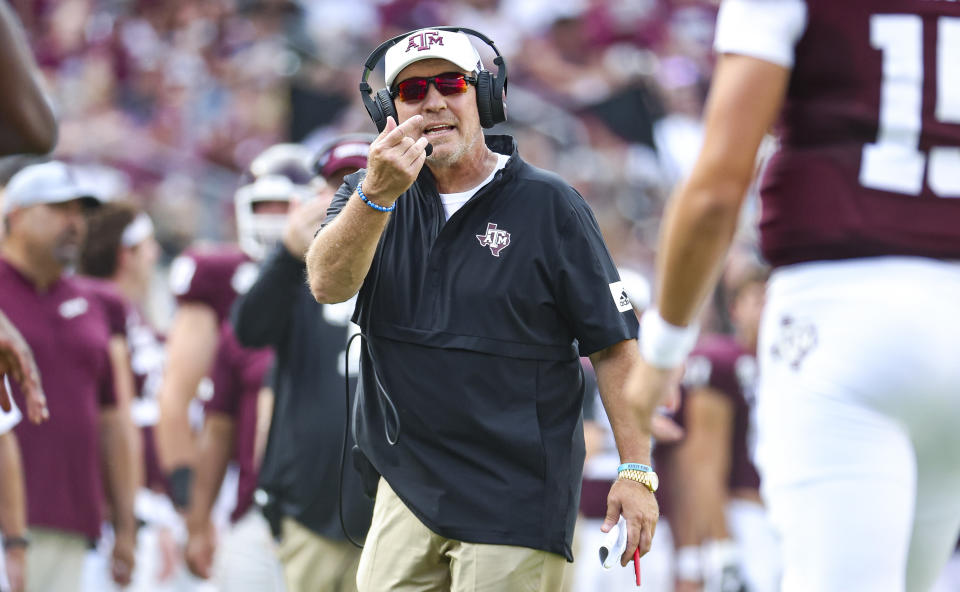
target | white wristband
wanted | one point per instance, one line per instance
(664, 345)
(687, 564)
(717, 555)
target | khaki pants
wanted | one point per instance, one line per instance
(401, 554)
(55, 561)
(312, 562)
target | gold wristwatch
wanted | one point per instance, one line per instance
(648, 479)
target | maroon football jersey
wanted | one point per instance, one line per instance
(67, 329)
(238, 375)
(869, 162)
(718, 362)
(146, 360)
(213, 276)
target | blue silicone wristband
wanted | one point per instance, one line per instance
(634, 467)
(377, 207)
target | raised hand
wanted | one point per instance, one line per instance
(395, 160)
(303, 221)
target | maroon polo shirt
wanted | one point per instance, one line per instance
(238, 375)
(68, 331)
(114, 304)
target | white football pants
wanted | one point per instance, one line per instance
(859, 421)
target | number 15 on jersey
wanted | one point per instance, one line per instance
(895, 162)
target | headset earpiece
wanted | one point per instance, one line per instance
(387, 108)
(485, 99)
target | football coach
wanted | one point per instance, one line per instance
(481, 281)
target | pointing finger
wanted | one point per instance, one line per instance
(392, 134)
(391, 125)
(412, 127)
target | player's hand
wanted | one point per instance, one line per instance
(16, 564)
(303, 221)
(169, 554)
(665, 430)
(200, 549)
(395, 160)
(16, 362)
(653, 387)
(122, 558)
(639, 508)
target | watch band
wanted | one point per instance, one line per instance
(635, 467)
(15, 542)
(648, 479)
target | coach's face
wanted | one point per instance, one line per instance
(52, 231)
(451, 123)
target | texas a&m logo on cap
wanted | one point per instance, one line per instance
(424, 41)
(495, 238)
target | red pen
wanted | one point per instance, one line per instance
(636, 564)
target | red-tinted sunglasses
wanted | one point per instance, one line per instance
(415, 89)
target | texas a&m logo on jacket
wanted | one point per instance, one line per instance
(423, 41)
(495, 238)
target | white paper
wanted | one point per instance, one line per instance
(613, 545)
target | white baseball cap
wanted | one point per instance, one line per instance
(423, 44)
(46, 183)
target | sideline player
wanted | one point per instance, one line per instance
(300, 480)
(122, 251)
(710, 489)
(205, 281)
(858, 400)
(244, 559)
(207, 284)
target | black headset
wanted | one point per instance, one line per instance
(490, 89)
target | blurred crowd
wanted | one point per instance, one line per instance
(168, 101)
